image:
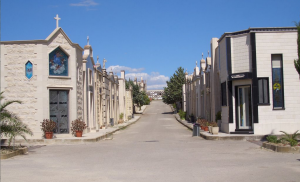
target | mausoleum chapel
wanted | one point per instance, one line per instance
(59, 80)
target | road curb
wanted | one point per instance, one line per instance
(73, 140)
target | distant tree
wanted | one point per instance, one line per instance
(297, 61)
(146, 98)
(173, 91)
(138, 96)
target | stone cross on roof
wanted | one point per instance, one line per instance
(202, 55)
(57, 19)
(97, 64)
(196, 63)
(208, 53)
(88, 40)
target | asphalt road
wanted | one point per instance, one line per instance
(156, 148)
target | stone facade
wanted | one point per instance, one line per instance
(129, 103)
(34, 92)
(66, 84)
(142, 84)
(123, 100)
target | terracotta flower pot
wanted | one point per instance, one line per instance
(48, 135)
(78, 133)
(205, 128)
(202, 127)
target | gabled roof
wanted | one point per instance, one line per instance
(60, 30)
(55, 32)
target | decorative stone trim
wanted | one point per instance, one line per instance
(60, 77)
(59, 87)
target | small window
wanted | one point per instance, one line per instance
(224, 95)
(90, 77)
(277, 81)
(263, 91)
(28, 70)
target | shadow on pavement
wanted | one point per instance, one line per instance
(168, 113)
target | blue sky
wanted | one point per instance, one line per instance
(149, 38)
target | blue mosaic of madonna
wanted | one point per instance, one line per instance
(58, 63)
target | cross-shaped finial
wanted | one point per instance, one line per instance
(196, 63)
(57, 19)
(88, 40)
(208, 53)
(202, 55)
(97, 59)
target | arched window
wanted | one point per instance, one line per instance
(58, 63)
(28, 69)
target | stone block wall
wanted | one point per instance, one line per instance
(241, 57)
(16, 85)
(272, 121)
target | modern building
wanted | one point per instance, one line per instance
(253, 72)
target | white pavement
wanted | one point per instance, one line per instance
(155, 149)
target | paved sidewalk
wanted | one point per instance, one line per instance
(221, 135)
(143, 108)
(102, 134)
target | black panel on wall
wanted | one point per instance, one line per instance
(228, 54)
(254, 78)
(230, 107)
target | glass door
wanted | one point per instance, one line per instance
(244, 107)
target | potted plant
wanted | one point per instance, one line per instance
(202, 124)
(121, 116)
(77, 126)
(47, 127)
(209, 127)
(206, 126)
(214, 128)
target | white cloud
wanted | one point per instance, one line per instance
(156, 87)
(117, 69)
(85, 3)
(155, 81)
